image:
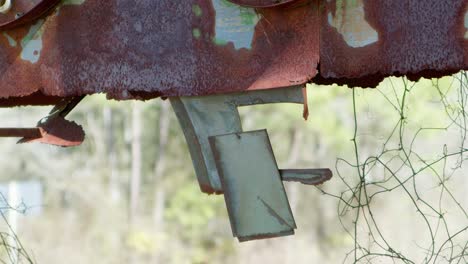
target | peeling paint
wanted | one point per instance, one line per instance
(73, 2)
(181, 48)
(197, 11)
(196, 33)
(11, 40)
(234, 24)
(356, 31)
(31, 44)
(466, 25)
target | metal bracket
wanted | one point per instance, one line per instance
(53, 129)
(241, 165)
(203, 116)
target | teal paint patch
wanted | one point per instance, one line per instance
(466, 25)
(32, 43)
(197, 11)
(73, 2)
(11, 41)
(234, 24)
(220, 42)
(196, 33)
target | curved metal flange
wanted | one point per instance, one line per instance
(30, 16)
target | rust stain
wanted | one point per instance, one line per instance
(21, 132)
(157, 48)
(414, 38)
(146, 49)
(57, 131)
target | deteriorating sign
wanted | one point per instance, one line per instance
(146, 49)
(363, 41)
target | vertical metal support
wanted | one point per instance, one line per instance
(242, 164)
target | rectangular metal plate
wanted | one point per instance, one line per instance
(255, 196)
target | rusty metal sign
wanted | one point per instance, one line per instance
(146, 49)
(363, 41)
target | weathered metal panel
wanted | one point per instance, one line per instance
(363, 41)
(255, 196)
(143, 49)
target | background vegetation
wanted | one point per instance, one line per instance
(129, 194)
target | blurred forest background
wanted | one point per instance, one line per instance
(129, 193)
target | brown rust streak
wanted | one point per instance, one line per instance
(21, 132)
(284, 52)
(147, 48)
(18, 7)
(416, 39)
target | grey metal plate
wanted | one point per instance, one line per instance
(255, 196)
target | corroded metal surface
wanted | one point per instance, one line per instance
(363, 41)
(19, 13)
(20, 132)
(58, 132)
(144, 49)
(53, 129)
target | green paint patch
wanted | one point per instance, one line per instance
(73, 2)
(196, 9)
(234, 24)
(248, 18)
(196, 33)
(31, 44)
(220, 42)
